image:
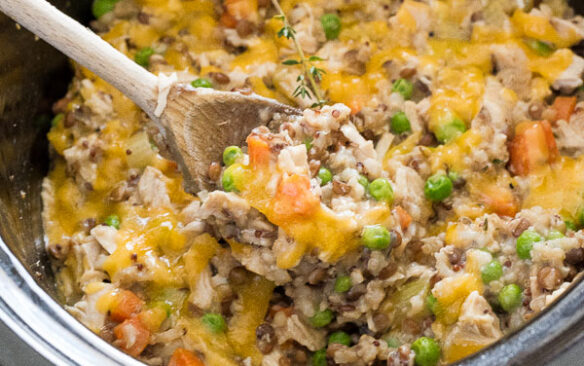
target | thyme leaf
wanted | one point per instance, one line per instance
(307, 81)
(291, 62)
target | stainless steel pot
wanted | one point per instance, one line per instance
(32, 76)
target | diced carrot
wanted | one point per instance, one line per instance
(564, 107)
(228, 20)
(125, 305)
(258, 150)
(132, 336)
(554, 153)
(355, 106)
(499, 200)
(404, 217)
(236, 10)
(357, 102)
(532, 147)
(294, 197)
(182, 357)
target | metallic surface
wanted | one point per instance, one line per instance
(32, 75)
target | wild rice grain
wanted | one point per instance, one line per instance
(214, 171)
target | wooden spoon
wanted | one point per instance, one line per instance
(197, 124)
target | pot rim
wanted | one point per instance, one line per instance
(49, 329)
(41, 322)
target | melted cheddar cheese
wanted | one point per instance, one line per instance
(166, 252)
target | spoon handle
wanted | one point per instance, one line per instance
(85, 47)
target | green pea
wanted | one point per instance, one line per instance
(331, 25)
(228, 180)
(101, 7)
(113, 221)
(319, 358)
(570, 225)
(525, 243)
(308, 143)
(510, 297)
(392, 342)
(380, 189)
(539, 47)
(427, 351)
(57, 119)
(322, 318)
(554, 234)
(432, 303)
(449, 131)
(202, 83)
(214, 322)
(400, 123)
(343, 284)
(438, 187)
(375, 237)
(363, 181)
(579, 220)
(340, 337)
(404, 87)
(491, 271)
(231, 154)
(324, 175)
(142, 57)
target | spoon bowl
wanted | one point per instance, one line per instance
(199, 123)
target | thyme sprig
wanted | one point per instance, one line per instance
(307, 81)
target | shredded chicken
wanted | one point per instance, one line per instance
(476, 325)
(152, 189)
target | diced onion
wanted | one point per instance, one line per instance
(140, 152)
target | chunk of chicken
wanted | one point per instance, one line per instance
(82, 159)
(203, 294)
(86, 310)
(225, 207)
(513, 69)
(152, 188)
(409, 193)
(294, 160)
(106, 237)
(571, 78)
(292, 328)
(497, 110)
(476, 328)
(570, 134)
